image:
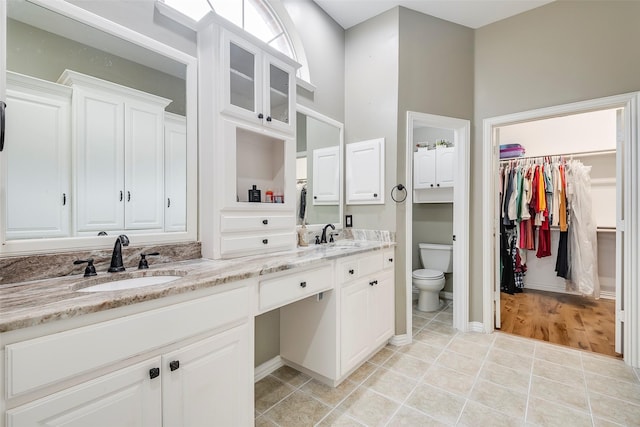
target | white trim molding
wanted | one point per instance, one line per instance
(267, 367)
(400, 340)
(462, 132)
(628, 229)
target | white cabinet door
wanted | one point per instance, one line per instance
(354, 338)
(424, 169)
(99, 161)
(175, 173)
(210, 382)
(278, 93)
(326, 176)
(365, 172)
(128, 397)
(382, 308)
(144, 166)
(445, 159)
(39, 155)
(242, 78)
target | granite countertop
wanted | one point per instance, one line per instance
(33, 303)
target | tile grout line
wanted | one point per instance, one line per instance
(533, 364)
(402, 404)
(586, 390)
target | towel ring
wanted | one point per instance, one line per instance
(399, 187)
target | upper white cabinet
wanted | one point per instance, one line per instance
(326, 176)
(257, 86)
(119, 141)
(247, 138)
(365, 172)
(175, 172)
(38, 153)
(433, 175)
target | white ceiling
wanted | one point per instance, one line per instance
(470, 13)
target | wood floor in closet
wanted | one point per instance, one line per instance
(569, 320)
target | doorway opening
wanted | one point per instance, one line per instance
(445, 208)
(563, 318)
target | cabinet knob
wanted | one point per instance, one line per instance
(390, 259)
(373, 282)
(265, 221)
(315, 197)
(438, 185)
(265, 241)
(375, 194)
(154, 373)
(303, 284)
(268, 118)
(128, 196)
(432, 185)
(168, 202)
(351, 271)
(174, 365)
(64, 199)
(260, 116)
(121, 195)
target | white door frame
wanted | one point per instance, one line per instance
(629, 225)
(462, 131)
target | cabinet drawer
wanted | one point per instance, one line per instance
(388, 259)
(279, 291)
(348, 271)
(256, 242)
(256, 222)
(370, 264)
(46, 360)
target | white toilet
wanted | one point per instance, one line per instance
(436, 260)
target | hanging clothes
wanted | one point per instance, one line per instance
(582, 232)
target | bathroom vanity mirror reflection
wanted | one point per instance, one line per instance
(319, 173)
(96, 132)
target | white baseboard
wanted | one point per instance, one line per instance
(475, 327)
(608, 294)
(562, 290)
(399, 340)
(446, 295)
(267, 367)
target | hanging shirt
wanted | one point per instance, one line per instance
(557, 187)
(526, 194)
(562, 221)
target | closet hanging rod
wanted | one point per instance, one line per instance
(568, 155)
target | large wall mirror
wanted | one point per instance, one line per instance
(319, 170)
(100, 128)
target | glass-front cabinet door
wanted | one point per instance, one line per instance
(258, 87)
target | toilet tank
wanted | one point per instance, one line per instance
(436, 257)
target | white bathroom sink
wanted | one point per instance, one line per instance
(136, 282)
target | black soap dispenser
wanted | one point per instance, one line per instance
(254, 195)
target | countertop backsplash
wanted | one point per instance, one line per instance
(43, 266)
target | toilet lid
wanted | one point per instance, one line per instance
(428, 274)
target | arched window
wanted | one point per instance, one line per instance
(257, 17)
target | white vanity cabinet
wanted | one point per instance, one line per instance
(119, 142)
(330, 335)
(364, 169)
(38, 158)
(366, 307)
(257, 86)
(175, 172)
(188, 363)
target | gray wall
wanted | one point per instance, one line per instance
(562, 52)
(371, 103)
(323, 41)
(436, 77)
(44, 55)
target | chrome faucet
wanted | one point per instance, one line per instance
(323, 238)
(116, 257)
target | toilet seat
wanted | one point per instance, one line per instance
(425, 273)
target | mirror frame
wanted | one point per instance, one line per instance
(321, 117)
(26, 246)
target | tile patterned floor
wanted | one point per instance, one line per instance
(447, 378)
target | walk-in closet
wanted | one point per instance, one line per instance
(558, 201)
